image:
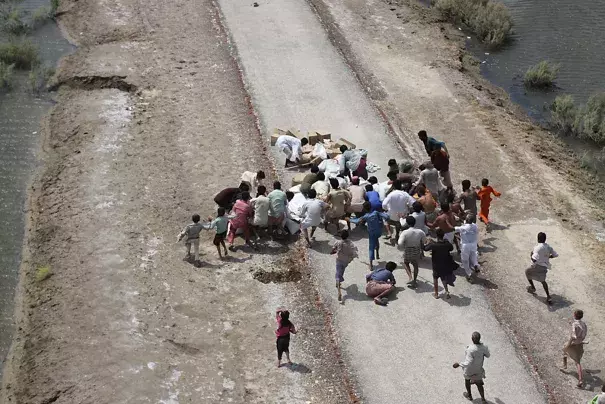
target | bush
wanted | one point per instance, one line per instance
(590, 121)
(41, 15)
(541, 75)
(489, 20)
(11, 18)
(20, 52)
(54, 5)
(6, 75)
(564, 113)
(39, 76)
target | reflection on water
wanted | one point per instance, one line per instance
(568, 32)
(20, 115)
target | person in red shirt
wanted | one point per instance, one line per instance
(284, 329)
(485, 196)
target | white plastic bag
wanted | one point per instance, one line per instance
(320, 151)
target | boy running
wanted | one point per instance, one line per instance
(345, 252)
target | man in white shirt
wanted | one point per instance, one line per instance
(291, 147)
(540, 257)
(469, 237)
(411, 242)
(397, 204)
(261, 205)
(474, 373)
(311, 213)
(253, 179)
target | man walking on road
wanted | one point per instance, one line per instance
(411, 242)
(380, 283)
(446, 222)
(443, 264)
(345, 252)
(312, 211)
(473, 366)
(574, 347)
(540, 258)
(469, 237)
(439, 155)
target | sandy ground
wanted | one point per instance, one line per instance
(149, 113)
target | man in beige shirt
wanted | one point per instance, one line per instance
(574, 348)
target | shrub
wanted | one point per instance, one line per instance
(20, 52)
(6, 75)
(541, 75)
(11, 18)
(489, 20)
(43, 273)
(39, 76)
(41, 15)
(590, 121)
(564, 113)
(54, 5)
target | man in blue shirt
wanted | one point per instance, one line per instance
(380, 283)
(375, 223)
(374, 198)
(430, 143)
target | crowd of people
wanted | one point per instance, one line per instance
(415, 208)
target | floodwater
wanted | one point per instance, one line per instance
(20, 114)
(567, 32)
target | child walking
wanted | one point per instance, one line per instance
(485, 196)
(284, 329)
(192, 231)
(345, 252)
(220, 224)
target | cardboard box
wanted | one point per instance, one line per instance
(324, 135)
(333, 152)
(314, 138)
(345, 142)
(298, 179)
(276, 133)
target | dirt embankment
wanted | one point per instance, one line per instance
(152, 120)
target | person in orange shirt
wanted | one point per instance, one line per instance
(485, 196)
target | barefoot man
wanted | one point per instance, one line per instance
(540, 258)
(574, 348)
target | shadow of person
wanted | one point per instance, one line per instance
(558, 302)
(353, 293)
(321, 246)
(458, 300)
(592, 382)
(486, 283)
(422, 286)
(300, 368)
(394, 292)
(495, 226)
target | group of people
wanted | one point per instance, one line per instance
(416, 208)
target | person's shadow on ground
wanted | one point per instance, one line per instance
(299, 368)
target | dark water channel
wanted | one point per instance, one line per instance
(20, 114)
(568, 32)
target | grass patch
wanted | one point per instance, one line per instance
(20, 52)
(585, 122)
(54, 6)
(564, 113)
(41, 15)
(43, 273)
(39, 77)
(6, 75)
(542, 75)
(11, 19)
(489, 20)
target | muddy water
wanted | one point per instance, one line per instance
(568, 32)
(20, 114)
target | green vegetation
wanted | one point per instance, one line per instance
(41, 15)
(54, 5)
(542, 75)
(6, 75)
(11, 19)
(20, 52)
(43, 273)
(489, 20)
(586, 122)
(39, 76)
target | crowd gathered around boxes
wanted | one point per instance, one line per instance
(416, 208)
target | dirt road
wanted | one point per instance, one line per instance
(154, 118)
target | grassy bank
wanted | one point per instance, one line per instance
(585, 122)
(489, 20)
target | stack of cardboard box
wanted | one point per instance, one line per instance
(314, 137)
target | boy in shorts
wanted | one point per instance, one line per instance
(220, 224)
(345, 252)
